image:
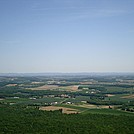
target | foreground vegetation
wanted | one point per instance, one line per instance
(20, 120)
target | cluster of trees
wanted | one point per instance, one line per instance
(128, 106)
(122, 86)
(99, 102)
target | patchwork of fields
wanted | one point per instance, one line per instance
(69, 97)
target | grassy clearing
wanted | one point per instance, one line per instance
(108, 112)
(120, 97)
(118, 89)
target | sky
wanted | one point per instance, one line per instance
(38, 36)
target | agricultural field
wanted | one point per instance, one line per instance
(56, 87)
(79, 96)
(63, 109)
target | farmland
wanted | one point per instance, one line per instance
(63, 109)
(74, 97)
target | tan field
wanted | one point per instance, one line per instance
(128, 96)
(70, 88)
(110, 95)
(94, 106)
(88, 106)
(11, 85)
(64, 110)
(53, 87)
(46, 87)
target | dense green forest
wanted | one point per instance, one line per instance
(22, 120)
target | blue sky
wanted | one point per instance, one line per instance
(66, 36)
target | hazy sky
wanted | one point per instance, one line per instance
(66, 36)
